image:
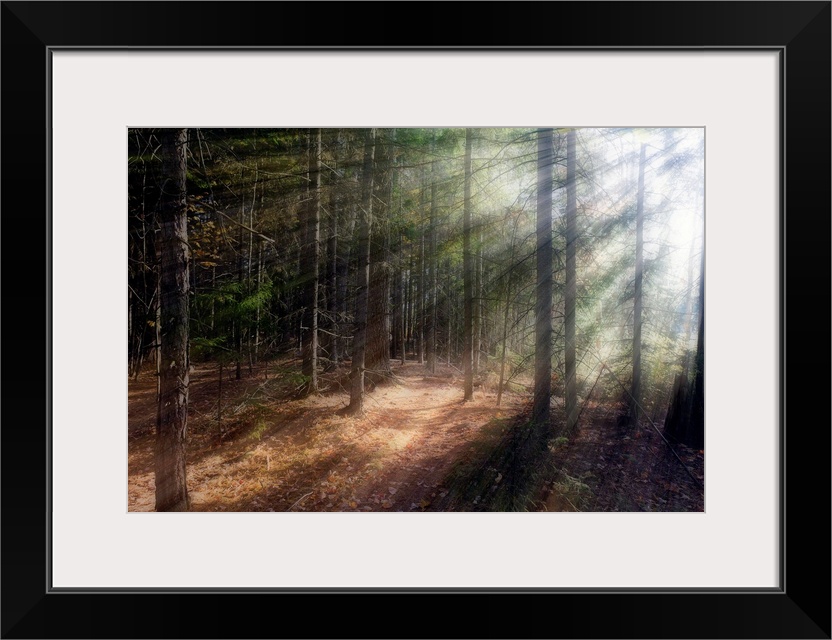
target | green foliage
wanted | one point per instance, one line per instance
(259, 429)
(197, 180)
(232, 301)
(295, 379)
(257, 299)
(202, 348)
(560, 442)
(574, 489)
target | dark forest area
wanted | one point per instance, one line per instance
(412, 319)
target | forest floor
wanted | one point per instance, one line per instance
(410, 450)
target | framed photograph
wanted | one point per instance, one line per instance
(752, 79)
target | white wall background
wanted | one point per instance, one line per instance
(98, 95)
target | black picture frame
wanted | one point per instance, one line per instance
(800, 608)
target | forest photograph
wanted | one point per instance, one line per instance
(416, 319)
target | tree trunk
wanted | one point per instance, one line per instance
(213, 297)
(686, 416)
(259, 286)
(157, 315)
(420, 302)
(506, 312)
(468, 275)
(408, 301)
(688, 317)
(543, 291)
(635, 392)
(430, 315)
(570, 294)
(503, 354)
(396, 293)
(309, 272)
(448, 311)
(403, 317)
(172, 416)
(478, 303)
(364, 227)
(342, 276)
(398, 326)
(331, 339)
(378, 320)
(248, 270)
(399, 307)
(238, 321)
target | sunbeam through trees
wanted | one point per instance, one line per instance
(412, 319)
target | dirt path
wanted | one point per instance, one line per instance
(306, 455)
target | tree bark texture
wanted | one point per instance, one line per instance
(468, 274)
(686, 416)
(378, 319)
(363, 251)
(310, 259)
(331, 342)
(570, 293)
(635, 391)
(172, 416)
(430, 316)
(543, 291)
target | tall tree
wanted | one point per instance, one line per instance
(310, 259)
(378, 318)
(476, 320)
(399, 302)
(344, 254)
(420, 280)
(543, 291)
(570, 294)
(696, 428)
(686, 416)
(635, 391)
(430, 315)
(688, 313)
(240, 294)
(363, 251)
(172, 415)
(332, 249)
(468, 274)
(507, 308)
